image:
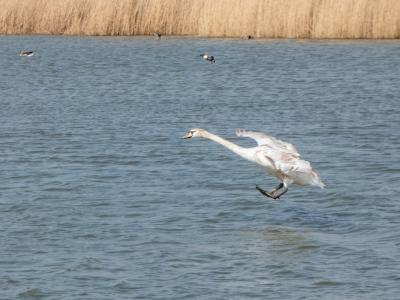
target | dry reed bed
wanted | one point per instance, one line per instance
(221, 18)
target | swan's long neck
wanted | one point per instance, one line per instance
(235, 148)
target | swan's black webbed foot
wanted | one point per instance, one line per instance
(266, 193)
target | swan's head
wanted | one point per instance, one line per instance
(197, 132)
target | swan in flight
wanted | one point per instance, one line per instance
(277, 158)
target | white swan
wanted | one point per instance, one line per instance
(277, 158)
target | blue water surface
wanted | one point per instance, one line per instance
(100, 198)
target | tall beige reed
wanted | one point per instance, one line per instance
(222, 18)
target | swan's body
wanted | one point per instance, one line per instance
(209, 58)
(277, 158)
(21, 53)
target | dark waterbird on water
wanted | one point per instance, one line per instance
(277, 158)
(21, 53)
(209, 58)
(157, 34)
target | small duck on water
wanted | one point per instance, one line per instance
(157, 34)
(209, 58)
(21, 53)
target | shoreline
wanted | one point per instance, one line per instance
(211, 37)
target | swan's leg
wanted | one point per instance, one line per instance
(277, 188)
(272, 195)
(277, 196)
(286, 183)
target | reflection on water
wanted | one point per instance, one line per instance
(100, 197)
(276, 247)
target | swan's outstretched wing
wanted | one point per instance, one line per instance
(263, 139)
(285, 162)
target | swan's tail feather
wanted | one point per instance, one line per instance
(316, 181)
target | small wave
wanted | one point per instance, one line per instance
(30, 293)
(328, 283)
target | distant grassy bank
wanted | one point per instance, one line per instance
(213, 18)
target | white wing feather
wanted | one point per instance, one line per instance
(285, 162)
(263, 139)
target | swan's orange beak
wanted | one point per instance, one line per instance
(188, 136)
